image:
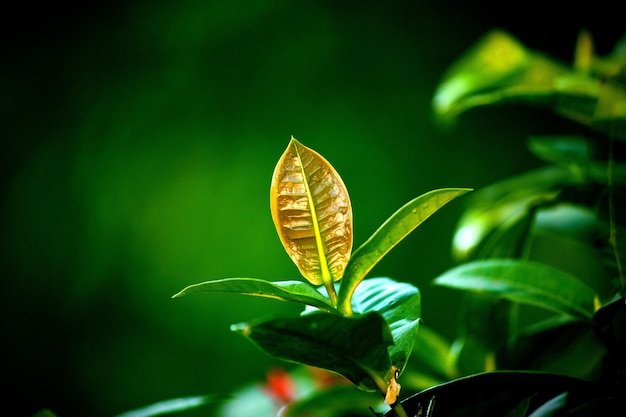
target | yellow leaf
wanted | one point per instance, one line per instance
(312, 213)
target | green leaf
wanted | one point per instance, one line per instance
(484, 330)
(524, 282)
(294, 291)
(355, 347)
(400, 305)
(336, 401)
(561, 149)
(498, 393)
(609, 114)
(388, 235)
(169, 406)
(432, 356)
(311, 210)
(498, 69)
(558, 345)
(492, 211)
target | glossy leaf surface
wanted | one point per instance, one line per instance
(312, 213)
(525, 282)
(294, 291)
(388, 235)
(355, 347)
(508, 393)
(400, 305)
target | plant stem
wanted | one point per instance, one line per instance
(398, 409)
(383, 386)
(332, 294)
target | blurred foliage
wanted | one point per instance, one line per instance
(138, 139)
(540, 255)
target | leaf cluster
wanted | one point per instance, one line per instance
(362, 329)
(540, 262)
(540, 254)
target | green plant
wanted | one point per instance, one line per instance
(540, 255)
(542, 330)
(363, 329)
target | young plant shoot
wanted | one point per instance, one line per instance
(362, 329)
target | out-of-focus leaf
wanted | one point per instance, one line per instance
(483, 333)
(500, 70)
(498, 393)
(610, 321)
(550, 407)
(611, 66)
(495, 58)
(558, 345)
(388, 235)
(355, 347)
(431, 355)
(170, 406)
(524, 282)
(294, 291)
(561, 149)
(498, 207)
(44, 412)
(304, 384)
(497, 68)
(605, 407)
(520, 409)
(311, 210)
(400, 305)
(609, 115)
(338, 401)
(584, 53)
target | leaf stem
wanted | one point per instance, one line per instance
(398, 409)
(383, 386)
(344, 303)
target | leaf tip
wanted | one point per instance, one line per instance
(179, 294)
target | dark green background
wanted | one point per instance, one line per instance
(139, 139)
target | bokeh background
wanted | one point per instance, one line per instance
(139, 139)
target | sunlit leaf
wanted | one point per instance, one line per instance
(388, 235)
(524, 282)
(400, 305)
(294, 291)
(355, 347)
(312, 213)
